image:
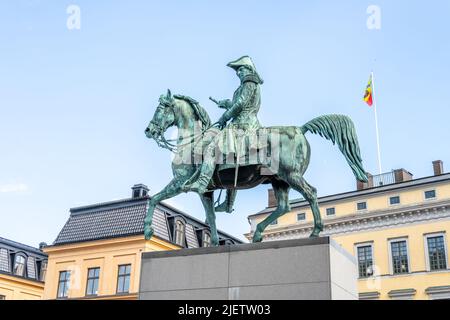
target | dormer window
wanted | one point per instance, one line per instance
(180, 229)
(19, 265)
(206, 239)
(43, 270)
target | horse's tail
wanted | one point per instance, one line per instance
(340, 128)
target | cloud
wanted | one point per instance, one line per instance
(13, 188)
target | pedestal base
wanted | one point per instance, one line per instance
(315, 268)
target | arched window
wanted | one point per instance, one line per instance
(179, 232)
(206, 239)
(19, 265)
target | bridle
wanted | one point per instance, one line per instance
(162, 142)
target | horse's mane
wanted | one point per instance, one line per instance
(198, 109)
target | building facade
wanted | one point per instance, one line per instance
(397, 227)
(97, 254)
(22, 271)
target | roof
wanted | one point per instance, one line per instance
(126, 218)
(297, 203)
(32, 258)
(21, 247)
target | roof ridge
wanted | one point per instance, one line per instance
(20, 245)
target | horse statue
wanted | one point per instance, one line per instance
(293, 159)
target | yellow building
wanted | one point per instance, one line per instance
(22, 271)
(97, 254)
(396, 227)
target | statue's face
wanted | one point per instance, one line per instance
(242, 72)
(163, 118)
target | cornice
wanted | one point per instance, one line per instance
(357, 222)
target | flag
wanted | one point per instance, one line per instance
(368, 98)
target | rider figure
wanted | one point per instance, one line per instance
(242, 111)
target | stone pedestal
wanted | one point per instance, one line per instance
(315, 268)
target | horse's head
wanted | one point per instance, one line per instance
(163, 118)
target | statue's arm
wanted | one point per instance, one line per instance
(248, 91)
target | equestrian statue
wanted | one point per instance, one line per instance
(236, 152)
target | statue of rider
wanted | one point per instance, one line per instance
(242, 110)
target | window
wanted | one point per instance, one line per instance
(430, 194)
(179, 232)
(361, 205)
(123, 278)
(274, 222)
(365, 261)
(399, 252)
(436, 252)
(63, 284)
(394, 200)
(43, 270)
(301, 216)
(2, 297)
(206, 239)
(4, 260)
(19, 265)
(331, 211)
(92, 281)
(31, 267)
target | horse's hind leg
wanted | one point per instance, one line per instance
(281, 190)
(299, 184)
(208, 203)
(171, 190)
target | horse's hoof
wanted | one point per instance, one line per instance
(315, 234)
(257, 237)
(148, 232)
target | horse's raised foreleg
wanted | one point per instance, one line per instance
(208, 203)
(299, 184)
(281, 190)
(171, 190)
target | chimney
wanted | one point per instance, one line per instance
(365, 185)
(139, 190)
(401, 175)
(272, 199)
(438, 167)
(42, 245)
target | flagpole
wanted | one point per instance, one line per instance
(376, 123)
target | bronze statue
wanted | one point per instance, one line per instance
(242, 154)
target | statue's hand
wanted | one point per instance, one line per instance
(224, 104)
(222, 122)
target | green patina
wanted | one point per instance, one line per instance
(237, 125)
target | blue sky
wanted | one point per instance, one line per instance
(74, 103)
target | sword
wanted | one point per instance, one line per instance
(236, 170)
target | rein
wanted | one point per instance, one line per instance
(167, 143)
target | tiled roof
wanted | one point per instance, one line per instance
(125, 218)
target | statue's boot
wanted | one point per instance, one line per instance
(207, 169)
(187, 184)
(200, 185)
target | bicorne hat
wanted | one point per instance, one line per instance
(245, 61)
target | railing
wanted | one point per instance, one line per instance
(383, 179)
